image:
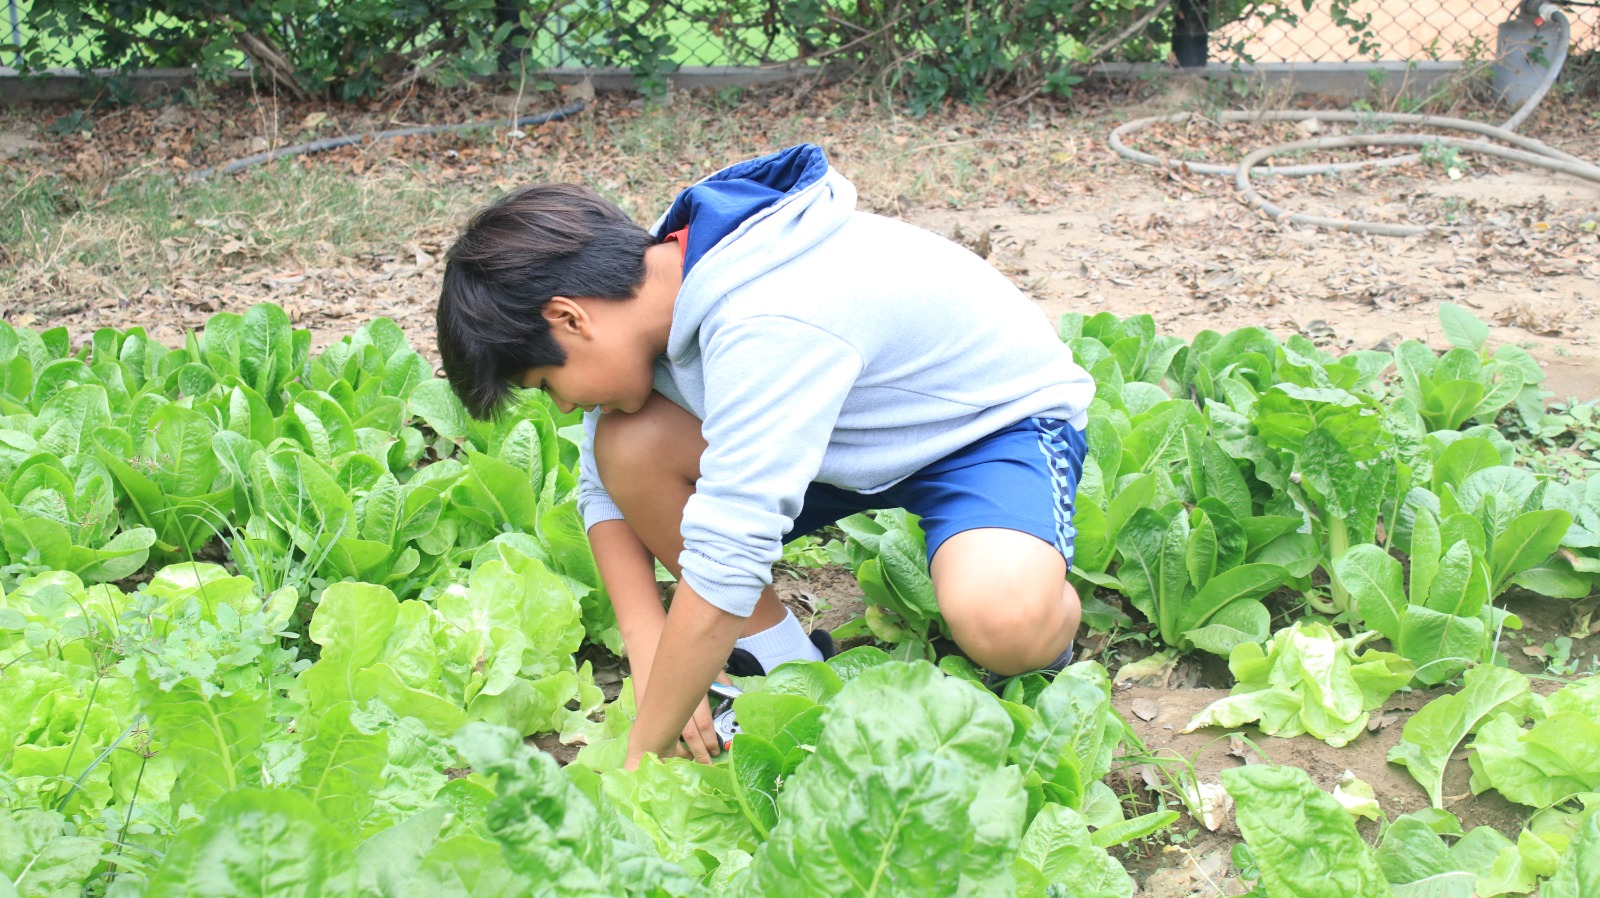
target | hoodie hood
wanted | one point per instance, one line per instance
(778, 206)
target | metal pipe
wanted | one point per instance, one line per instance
(16, 31)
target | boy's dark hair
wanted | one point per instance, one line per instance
(514, 255)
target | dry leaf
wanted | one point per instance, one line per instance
(1239, 748)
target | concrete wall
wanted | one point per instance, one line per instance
(1347, 79)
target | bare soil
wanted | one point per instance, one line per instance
(1196, 258)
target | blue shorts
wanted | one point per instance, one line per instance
(1023, 477)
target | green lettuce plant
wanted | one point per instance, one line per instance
(1544, 764)
(889, 558)
(1186, 571)
(1330, 451)
(1573, 572)
(61, 514)
(1431, 736)
(173, 478)
(1301, 841)
(1307, 679)
(1442, 620)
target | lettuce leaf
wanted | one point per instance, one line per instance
(553, 835)
(1558, 757)
(1578, 875)
(1432, 734)
(1304, 843)
(256, 842)
(908, 793)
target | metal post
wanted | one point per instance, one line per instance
(16, 31)
(1191, 33)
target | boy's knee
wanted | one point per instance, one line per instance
(659, 439)
(1025, 612)
(1011, 621)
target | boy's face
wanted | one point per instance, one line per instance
(608, 366)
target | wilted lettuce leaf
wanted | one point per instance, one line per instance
(1308, 679)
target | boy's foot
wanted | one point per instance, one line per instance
(742, 663)
(994, 681)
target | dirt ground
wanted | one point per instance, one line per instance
(1110, 236)
(1196, 258)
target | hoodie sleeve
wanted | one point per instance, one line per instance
(774, 389)
(594, 503)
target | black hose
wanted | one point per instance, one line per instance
(329, 143)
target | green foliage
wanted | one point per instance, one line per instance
(1446, 623)
(410, 588)
(1558, 757)
(1223, 469)
(889, 557)
(1302, 841)
(347, 50)
(925, 53)
(1432, 734)
(1416, 857)
(1579, 871)
(1186, 573)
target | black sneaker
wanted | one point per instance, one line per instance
(743, 664)
(995, 682)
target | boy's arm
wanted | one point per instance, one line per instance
(694, 644)
(628, 571)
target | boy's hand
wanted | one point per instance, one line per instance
(700, 740)
(694, 643)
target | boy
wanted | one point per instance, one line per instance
(763, 362)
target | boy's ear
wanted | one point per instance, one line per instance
(564, 314)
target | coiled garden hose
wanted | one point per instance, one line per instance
(1533, 152)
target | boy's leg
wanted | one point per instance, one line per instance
(649, 462)
(1004, 595)
(998, 519)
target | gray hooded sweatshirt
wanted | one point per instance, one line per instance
(819, 343)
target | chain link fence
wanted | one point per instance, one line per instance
(11, 35)
(715, 33)
(77, 51)
(1413, 31)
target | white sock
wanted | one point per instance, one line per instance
(784, 641)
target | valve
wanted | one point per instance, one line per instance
(1537, 11)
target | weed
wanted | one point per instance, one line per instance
(71, 123)
(1447, 158)
(1563, 663)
